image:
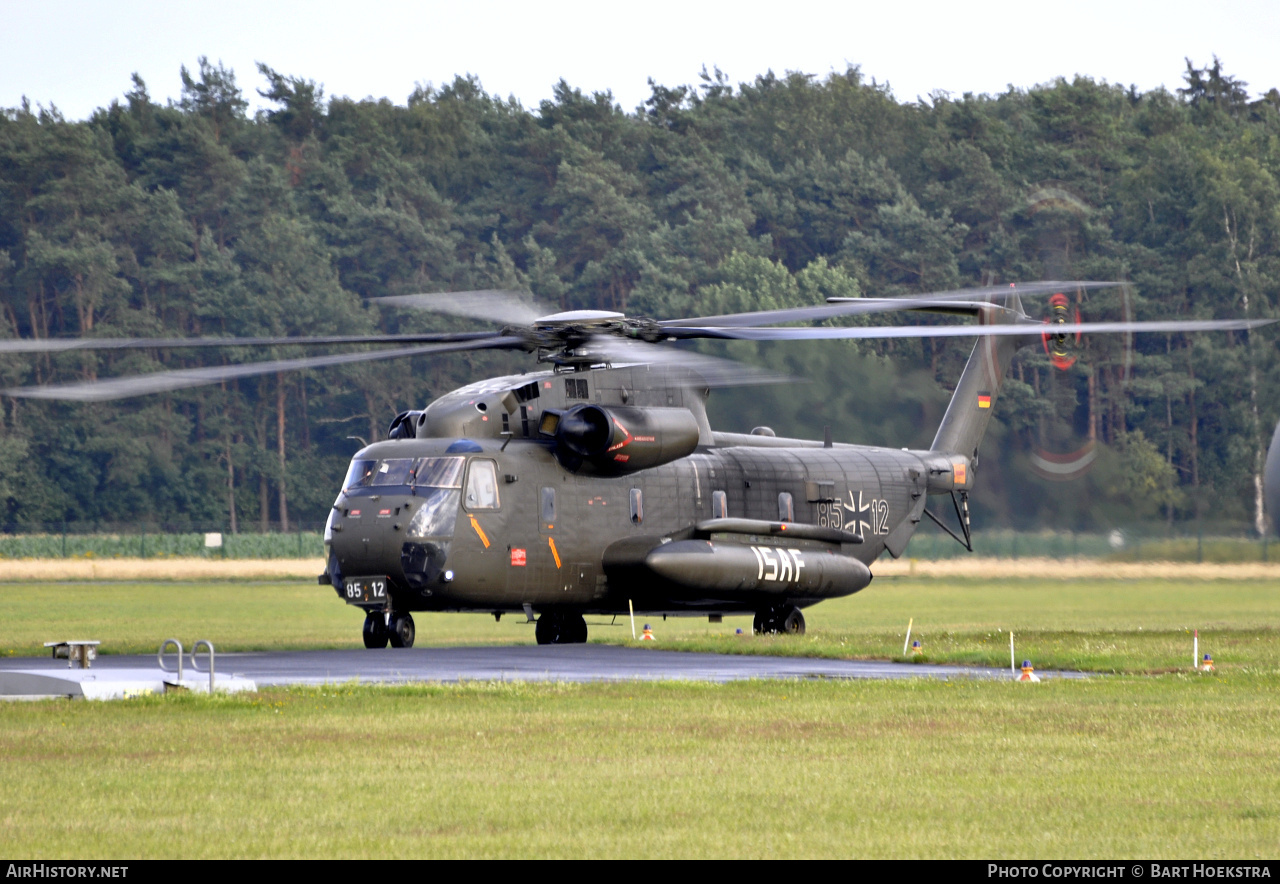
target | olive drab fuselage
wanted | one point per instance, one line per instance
(485, 504)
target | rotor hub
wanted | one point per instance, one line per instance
(567, 338)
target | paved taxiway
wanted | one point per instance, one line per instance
(566, 663)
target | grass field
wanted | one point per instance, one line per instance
(1137, 626)
(1177, 764)
(1171, 766)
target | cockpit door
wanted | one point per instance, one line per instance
(482, 536)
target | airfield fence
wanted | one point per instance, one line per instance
(153, 544)
(1134, 543)
(1138, 543)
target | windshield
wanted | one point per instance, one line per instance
(393, 471)
(430, 472)
(359, 473)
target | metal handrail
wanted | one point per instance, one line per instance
(195, 648)
(160, 656)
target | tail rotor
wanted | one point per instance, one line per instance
(1058, 345)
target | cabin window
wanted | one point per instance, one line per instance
(482, 485)
(719, 505)
(637, 506)
(575, 388)
(548, 508)
(786, 508)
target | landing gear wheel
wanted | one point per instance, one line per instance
(784, 619)
(375, 630)
(402, 631)
(549, 629)
(560, 629)
(793, 623)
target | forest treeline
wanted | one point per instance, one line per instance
(196, 218)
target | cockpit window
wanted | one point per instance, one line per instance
(393, 471)
(438, 472)
(482, 485)
(359, 473)
(437, 513)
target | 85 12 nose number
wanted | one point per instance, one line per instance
(365, 590)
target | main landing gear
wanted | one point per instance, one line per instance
(783, 618)
(379, 629)
(556, 628)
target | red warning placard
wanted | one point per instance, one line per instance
(518, 558)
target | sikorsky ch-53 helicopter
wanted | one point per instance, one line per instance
(597, 485)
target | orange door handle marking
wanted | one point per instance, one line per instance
(480, 531)
(551, 542)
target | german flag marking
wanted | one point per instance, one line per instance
(984, 400)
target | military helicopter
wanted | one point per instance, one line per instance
(597, 485)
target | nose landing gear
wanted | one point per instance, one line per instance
(375, 630)
(379, 630)
(402, 631)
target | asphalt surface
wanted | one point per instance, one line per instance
(554, 663)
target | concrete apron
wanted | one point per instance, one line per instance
(113, 684)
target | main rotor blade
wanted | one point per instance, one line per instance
(501, 306)
(716, 371)
(1022, 329)
(162, 381)
(964, 300)
(854, 306)
(63, 345)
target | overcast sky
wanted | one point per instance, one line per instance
(79, 55)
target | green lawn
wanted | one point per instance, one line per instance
(1167, 766)
(1107, 626)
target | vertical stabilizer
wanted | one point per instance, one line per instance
(974, 400)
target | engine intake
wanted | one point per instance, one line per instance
(405, 425)
(616, 440)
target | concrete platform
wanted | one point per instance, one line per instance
(107, 683)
